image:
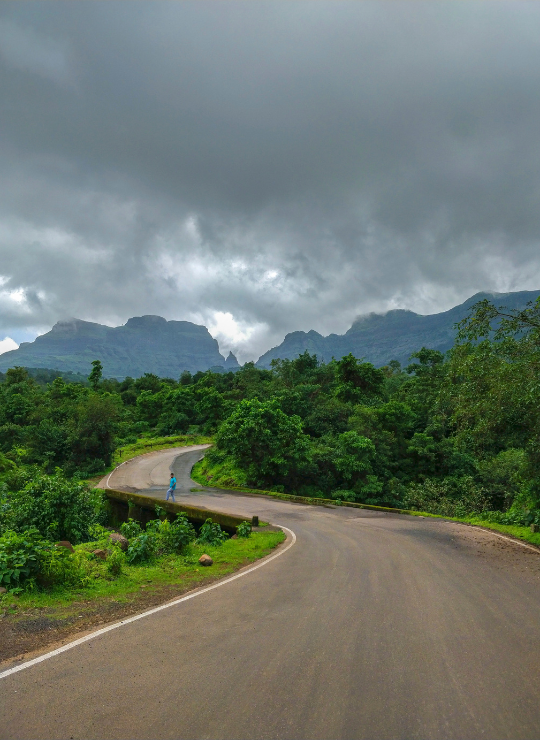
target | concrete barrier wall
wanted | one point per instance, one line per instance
(143, 509)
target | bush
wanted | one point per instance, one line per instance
(261, 439)
(130, 529)
(344, 495)
(20, 558)
(95, 466)
(159, 537)
(175, 536)
(58, 508)
(519, 517)
(60, 567)
(142, 548)
(211, 534)
(454, 497)
(243, 529)
(115, 561)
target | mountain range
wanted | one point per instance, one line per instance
(395, 335)
(167, 348)
(145, 344)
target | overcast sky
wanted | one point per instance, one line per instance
(262, 167)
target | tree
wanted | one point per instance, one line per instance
(96, 374)
(93, 430)
(357, 381)
(263, 440)
(58, 508)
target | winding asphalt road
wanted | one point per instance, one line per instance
(371, 626)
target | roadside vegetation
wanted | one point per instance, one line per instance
(456, 436)
(61, 592)
(163, 553)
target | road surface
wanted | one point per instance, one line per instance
(371, 626)
(151, 472)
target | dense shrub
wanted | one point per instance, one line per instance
(449, 497)
(130, 529)
(211, 534)
(142, 548)
(243, 529)
(60, 509)
(177, 535)
(115, 561)
(60, 567)
(21, 555)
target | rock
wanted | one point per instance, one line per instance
(234, 537)
(100, 554)
(3, 590)
(66, 544)
(119, 539)
(206, 560)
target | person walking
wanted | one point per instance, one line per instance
(172, 487)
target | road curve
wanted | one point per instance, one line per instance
(151, 471)
(372, 626)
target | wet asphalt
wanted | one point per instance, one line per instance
(371, 626)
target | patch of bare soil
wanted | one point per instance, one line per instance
(32, 631)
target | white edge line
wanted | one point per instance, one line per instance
(503, 537)
(148, 613)
(114, 471)
(484, 529)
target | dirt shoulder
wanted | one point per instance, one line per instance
(28, 626)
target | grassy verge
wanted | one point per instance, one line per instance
(169, 569)
(228, 478)
(149, 444)
(223, 474)
(35, 619)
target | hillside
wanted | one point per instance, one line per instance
(395, 335)
(144, 344)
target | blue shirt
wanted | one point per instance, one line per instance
(172, 484)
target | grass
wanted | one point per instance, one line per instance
(222, 474)
(149, 444)
(225, 476)
(182, 571)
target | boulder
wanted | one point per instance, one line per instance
(3, 590)
(119, 539)
(102, 554)
(66, 544)
(206, 560)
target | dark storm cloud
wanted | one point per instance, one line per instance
(263, 167)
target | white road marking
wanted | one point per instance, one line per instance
(114, 471)
(504, 537)
(137, 457)
(115, 626)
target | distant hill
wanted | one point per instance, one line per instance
(395, 335)
(150, 344)
(43, 376)
(145, 344)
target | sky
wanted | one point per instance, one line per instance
(264, 167)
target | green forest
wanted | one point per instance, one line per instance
(452, 435)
